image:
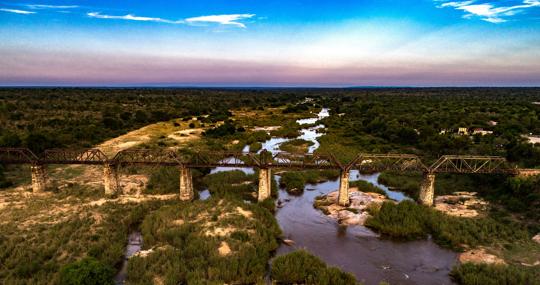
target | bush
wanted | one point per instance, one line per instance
(87, 271)
(483, 274)
(365, 186)
(186, 246)
(301, 267)
(234, 183)
(406, 182)
(407, 220)
(293, 182)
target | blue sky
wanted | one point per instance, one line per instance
(270, 43)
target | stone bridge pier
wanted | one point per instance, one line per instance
(40, 180)
(343, 194)
(110, 180)
(427, 190)
(186, 184)
(265, 184)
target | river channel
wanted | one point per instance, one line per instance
(355, 249)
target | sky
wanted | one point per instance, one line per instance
(244, 43)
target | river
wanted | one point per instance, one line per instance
(355, 249)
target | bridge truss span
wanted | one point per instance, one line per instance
(472, 164)
(381, 162)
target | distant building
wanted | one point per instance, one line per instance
(480, 131)
(493, 123)
(444, 131)
(463, 131)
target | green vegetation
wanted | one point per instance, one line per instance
(301, 267)
(409, 221)
(165, 180)
(411, 121)
(296, 146)
(47, 237)
(365, 186)
(483, 274)
(235, 184)
(295, 181)
(408, 183)
(206, 242)
(87, 271)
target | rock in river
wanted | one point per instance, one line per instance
(354, 214)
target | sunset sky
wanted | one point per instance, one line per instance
(270, 43)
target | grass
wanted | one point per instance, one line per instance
(296, 146)
(186, 238)
(410, 221)
(405, 182)
(295, 181)
(47, 233)
(365, 186)
(301, 267)
(483, 274)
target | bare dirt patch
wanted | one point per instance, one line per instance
(480, 256)
(224, 249)
(461, 204)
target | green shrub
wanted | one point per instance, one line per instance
(233, 183)
(365, 186)
(293, 182)
(406, 182)
(484, 274)
(87, 271)
(255, 147)
(301, 267)
(187, 254)
(407, 220)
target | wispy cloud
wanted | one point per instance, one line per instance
(130, 17)
(489, 12)
(41, 6)
(16, 11)
(231, 20)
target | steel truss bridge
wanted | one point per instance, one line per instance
(264, 160)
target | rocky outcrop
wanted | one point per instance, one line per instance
(461, 204)
(356, 213)
(479, 256)
(536, 238)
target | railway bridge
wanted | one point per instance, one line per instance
(264, 161)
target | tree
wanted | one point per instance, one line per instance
(87, 271)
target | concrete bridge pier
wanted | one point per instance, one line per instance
(427, 190)
(40, 180)
(343, 195)
(110, 180)
(186, 184)
(265, 184)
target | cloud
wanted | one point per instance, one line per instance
(490, 12)
(23, 12)
(41, 6)
(232, 19)
(131, 17)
